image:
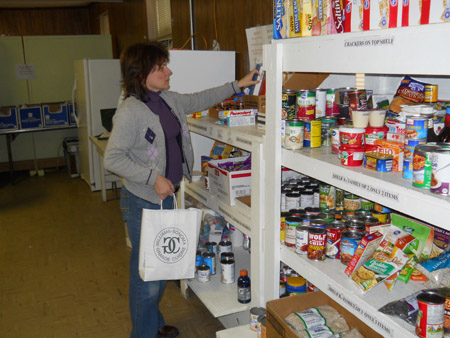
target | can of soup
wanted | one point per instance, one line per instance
(317, 240)
(321, 102)
(430, 318)
(349, 243)
(422, 165)
(294, 131)
(440, 172)
(289, 103)
(333, 246)
(306, 104)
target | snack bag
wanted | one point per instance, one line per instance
(387, 260)
(409, 92)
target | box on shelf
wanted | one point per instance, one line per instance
(304, 80)
(30, 116)
(8, 118)
(238, 121)
(71, 113)
(279, 309)
(255, 102)
(55, 114)
(229, 185)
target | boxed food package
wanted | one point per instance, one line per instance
(306, 9)
(55, 114)
(335, 22)
(8, 118)
(30, 116)
(286, 19)
(238, 121)
(279, 309)
(255, 102)
(352, 16)
(320, 17)
(229, 184)
(220, 150)
(364, 251)
(392, 148)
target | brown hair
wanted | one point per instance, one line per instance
(136, 62)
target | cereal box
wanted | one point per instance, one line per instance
(365, 250)
(392, 148)
(387, 260)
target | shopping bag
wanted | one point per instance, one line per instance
(168, 243)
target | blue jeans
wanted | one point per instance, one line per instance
(144, 297)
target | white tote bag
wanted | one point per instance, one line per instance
(168, 243)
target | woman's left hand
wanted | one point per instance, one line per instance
(247, 79)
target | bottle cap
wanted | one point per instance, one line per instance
(243, 273)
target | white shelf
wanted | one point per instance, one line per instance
(241, 137)
(242, 331)
(221, 299)
(237, 215)
(330, 278)
(389, 189)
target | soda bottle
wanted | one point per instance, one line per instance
(244, 295)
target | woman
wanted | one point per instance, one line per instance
(150, 147)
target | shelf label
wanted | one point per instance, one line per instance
(369, 42)
(357, 308)
(194, 126)
(243, 140)
(393, 196)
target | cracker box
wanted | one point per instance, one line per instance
(306, 17)
(352, 16)
(364, 251)
(238, 121)
(320, 17)
(375, 14)
(55, 114)
(335, 20)
(220, 150)
(392, 148)
(30, 116)
(8, 118)
(229, 184)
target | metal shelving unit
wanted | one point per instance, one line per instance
(398, 51)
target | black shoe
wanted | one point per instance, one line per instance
(168, 332)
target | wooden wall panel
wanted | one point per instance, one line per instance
(127, 20)
(232, 18)
(44, 21)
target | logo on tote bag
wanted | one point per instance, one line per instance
(171, 244)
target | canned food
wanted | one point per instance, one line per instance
(407, 168)
(294, 134)
(410, 145)
(289, 103)
(306, 104)
(318, 223)
(333, 246)
(339, 199)
(370, 220)
(352, 202)
(313, 211)
(312, 136)
(360, 214)
(349, 243)
(283, 225)
(416, 127)
(357, 98)
(440, 172)
(295, 286)
(226, 256)
(291, 225)
(350, 156)
(203, 273)
(327, 216)
(301, 244)
(307, 218)
(327, 197)
(356, 224)
(209, 258)
(383, 217)
(431, 93)
(366, 205)
(321, 102)
(335, 140)
(297, 212)
(317, 239)
(328, 123)
(227, 269)
(378, 161)
(330, 98)
(430, 319)
(224, 246)
(306, 199)
(422, 165)
(255, 312)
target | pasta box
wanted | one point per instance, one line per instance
(55, 114)
(8, 118)
(279, 309)
(30, 116)
(228, 185)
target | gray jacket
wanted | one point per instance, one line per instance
(136, 149)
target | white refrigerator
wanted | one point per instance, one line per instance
(98, 87)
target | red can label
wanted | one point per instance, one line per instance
(306, 105)
(316, 245)
(333, 246)
(430, 320)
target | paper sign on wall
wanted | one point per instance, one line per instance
(25, 72)
(256, 38)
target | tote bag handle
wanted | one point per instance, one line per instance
(175, 203)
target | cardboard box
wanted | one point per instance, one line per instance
(255, 102)
(279, 309)
(229, 185)
(55, 114)
(30, 116)
(237, 121)
(8, 118)
(304, 80)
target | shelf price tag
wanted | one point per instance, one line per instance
(375, 41)
(370, 316)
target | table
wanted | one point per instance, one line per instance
(100, 146)
(11, 135)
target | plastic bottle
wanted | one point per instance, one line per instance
(444, 135)
(244, 295)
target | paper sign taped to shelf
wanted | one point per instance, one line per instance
(369, 42)
(25, 72)
(393, 196)
(370, 316)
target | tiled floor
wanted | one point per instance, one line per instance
(64, 263)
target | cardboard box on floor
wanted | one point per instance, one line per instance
(279, 309)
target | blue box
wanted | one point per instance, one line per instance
(72, 121)
(8, 118)
(55, 114)
(30, 116)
